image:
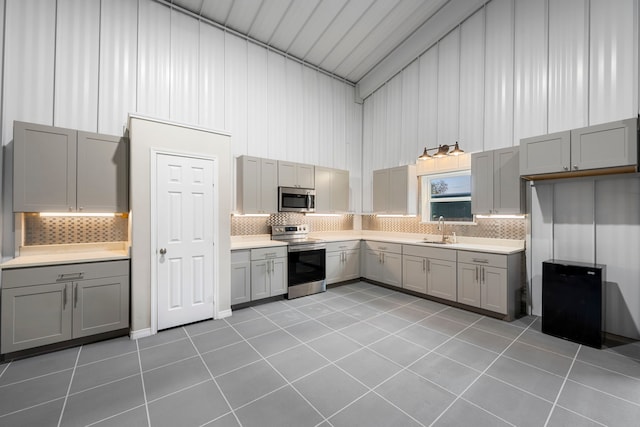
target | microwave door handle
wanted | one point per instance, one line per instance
(308, 201)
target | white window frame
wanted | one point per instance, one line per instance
(425, 197)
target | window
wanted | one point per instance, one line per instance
(447, 195)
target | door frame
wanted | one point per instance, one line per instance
(153, 224)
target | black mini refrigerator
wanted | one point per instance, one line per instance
(573, 301)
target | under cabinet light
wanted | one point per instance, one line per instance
(320, 214)
(250, 215)
(78, 214)
(395, 216)
(501, 216)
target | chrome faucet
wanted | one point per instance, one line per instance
(441, 226)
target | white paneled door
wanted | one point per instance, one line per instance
(184, 218)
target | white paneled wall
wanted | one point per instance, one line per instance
(471, 133)
(568, 64)
(591, 220)
(448, 88)
(513, 69)
(530, 69)
(76, 71)
(498, 75)
(87, 64)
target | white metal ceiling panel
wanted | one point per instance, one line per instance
(194, 6)
(216, 10)
(339, 29)
(314, 28)
(267, 20)
(292, 22)
(242, 14)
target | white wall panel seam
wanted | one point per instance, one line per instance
(55, 60)
(513, 71)
(484, 79)
(99, 62)
(588, 67)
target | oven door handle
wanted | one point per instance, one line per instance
(303, 248)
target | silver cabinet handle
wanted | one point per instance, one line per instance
(429, 266)
(483, 261)
(64, 297)
(575, 166)
(69, 276)
(75, 296)
(383, 257)
(565, 168)
(424, 264)
(483, 270)
(477, 274)
(163, 251)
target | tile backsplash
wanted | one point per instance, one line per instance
(67, 230)
(484, 227)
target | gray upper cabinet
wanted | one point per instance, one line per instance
(295, 175)
(332, 190)
(44, 168)
(496, 187)
(589, 150)
(63, 170)
(395, 190)
(257, 185)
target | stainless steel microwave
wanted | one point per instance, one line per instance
(296, 199)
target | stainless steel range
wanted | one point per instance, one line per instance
(306, 264)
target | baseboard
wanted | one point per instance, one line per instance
(140, 333)
(224, 313)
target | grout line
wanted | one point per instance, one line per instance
(487, 411)
(34, 378)
(31, 407)
(66, 398)
(581, 415)
(110, 417)
(144, 388)
(102, 385)
(5, 368)
(213, 379)
(566, 377)
(604, 392)
(106, 358)
(482, 373)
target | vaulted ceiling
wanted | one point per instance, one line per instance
(347, 38)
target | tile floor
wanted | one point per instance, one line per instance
(357, 355)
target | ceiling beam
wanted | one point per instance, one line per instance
(435, 28)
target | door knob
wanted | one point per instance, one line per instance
(163, 251)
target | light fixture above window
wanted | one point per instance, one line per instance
(443, 150)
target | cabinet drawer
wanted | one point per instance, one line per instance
(16, 277)
(384, 246)
(343, 246)
(240, 256)
(268, 253)
(494, 260)
(429, 252)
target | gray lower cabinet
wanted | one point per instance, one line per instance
(50, 304)
(268, 272)
(429, 271)
(489, 281)
(343, 261)
(240, 276)
(383, 262)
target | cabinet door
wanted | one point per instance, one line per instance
(414, 273)
(507, 185)
(278, 276)
(35, 315)
(260, 286)
(248, 198)
(268, 185)
(240, 282)
(602, 146)
(305, 176)
(103, 176)
(287, 174)
(324, 189)
(334, 267)
(441, 280)
(494, 289)
(545, 154)
(398, 190)
(100, 305)
(372, 267)
(469, 284)
(340, 190)
(44, 168)
(351, 265)
(392, 269)
(381, 191)
(482, 182)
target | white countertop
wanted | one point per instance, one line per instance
(33, 256)
(497, 246)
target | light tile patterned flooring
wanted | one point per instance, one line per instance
(356, 355)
